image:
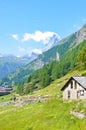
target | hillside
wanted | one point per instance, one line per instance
(55, 53)
(73, 59)
(51, 115)
(9, 63)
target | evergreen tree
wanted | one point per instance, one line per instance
(44, 76)
(29, 79)
(82, 57)
(20, 89)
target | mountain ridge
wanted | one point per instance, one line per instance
(48, 56)
(9, 63)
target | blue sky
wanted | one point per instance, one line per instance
(25, 24)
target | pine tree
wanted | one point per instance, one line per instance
(82, 57)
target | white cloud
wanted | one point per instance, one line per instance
(37, 51)
(21, 49)
(84, 19)
(77, 26)
(74, 25)
(39, 36)
(15, 36)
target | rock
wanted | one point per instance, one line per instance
(78, 114)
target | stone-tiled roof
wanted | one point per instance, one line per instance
(81, 80)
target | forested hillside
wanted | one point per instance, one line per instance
(56, 54)
(46, 58)
(73, 59)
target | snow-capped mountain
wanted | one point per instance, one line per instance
(9, 63)
(52, 42)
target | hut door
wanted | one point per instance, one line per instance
(78, 94)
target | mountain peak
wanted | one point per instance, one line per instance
(52, 42)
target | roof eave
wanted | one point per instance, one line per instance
(66, 83)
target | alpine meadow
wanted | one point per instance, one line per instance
(43, 65)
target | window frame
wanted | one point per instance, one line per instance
(75, 85)
(81, 92)
(71, 84)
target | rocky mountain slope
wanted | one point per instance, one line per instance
(55, 53)
(9, 63)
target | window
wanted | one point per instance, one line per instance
(75, 85)
(81, 92)
(71, 84)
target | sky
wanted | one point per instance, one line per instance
(26, 25)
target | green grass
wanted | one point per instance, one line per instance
(51, 115)
(55, 87)
(5, 98)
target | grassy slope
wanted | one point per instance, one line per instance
(55, 87)
(52, 115)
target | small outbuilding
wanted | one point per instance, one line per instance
(75, 88)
